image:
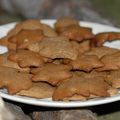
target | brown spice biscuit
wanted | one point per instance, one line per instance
(86, 62)
(48, 31)
(81, 86)
(14, 80)
(111, 62)
(4, 42)
(92, 74)
(81, 47)
(51, 73)
(26, 37)
(4, 61)
(101, 51)
(32, 25)
(77, 33)
(64, 22)
(38, 90)
(100, 38)
(28, 24)
(111, 91)
(55, 47)
(26, 58)
(114, 79)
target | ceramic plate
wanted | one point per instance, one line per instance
(48, 101)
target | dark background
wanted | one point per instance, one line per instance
(106, 11)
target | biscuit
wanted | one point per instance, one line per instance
(111, 91)
(29, 25)
(38, 90)
(101, 51)
(92, 74)
(81, 47)
(77, 33)
(81, 86)
(114, 78)
(4, 42)
(55, 47)
(64, 22)
(51, 73)
(4, 61)
(48, 31)
(86, 63)
(26, 37)
(111, 62)
(14, 80)
(32, 25)
(100, 38)
(26, 58)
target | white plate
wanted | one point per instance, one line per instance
(48, 102)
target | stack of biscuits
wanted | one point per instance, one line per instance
(67, 62)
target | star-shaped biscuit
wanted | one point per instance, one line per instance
(100, 38)
(51, 73)
(38, 90)
(101, 51)
(14, 80)
(4, 42)
(26, 37)
(25, 25)
(111, 62)
(92, 74)
(77, 33)
(64, 22)
(86, 62)
(114, 78)
(4, 61)
(49, 31)
(55, 47)
(26, 58)
(32, 25)
(81, 47)
(81, 86)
